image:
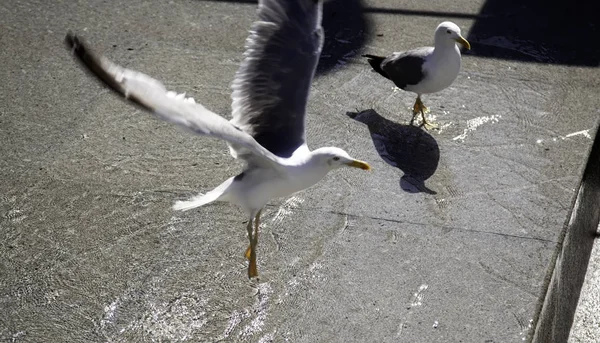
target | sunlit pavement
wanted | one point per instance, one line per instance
(453, 236)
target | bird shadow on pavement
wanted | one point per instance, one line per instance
(406, 147)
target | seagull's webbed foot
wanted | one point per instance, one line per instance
(251, 251)
(416, 110)
(419, 107)
(427, 124)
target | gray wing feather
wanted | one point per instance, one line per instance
(152, 95)
(271, 87)
(405, 68)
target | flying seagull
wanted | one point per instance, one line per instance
(424, 70)
(270, 92)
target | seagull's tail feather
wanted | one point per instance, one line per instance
(218, 193)
(375, 62)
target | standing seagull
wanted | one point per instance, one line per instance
(270, 92)
(424, 70)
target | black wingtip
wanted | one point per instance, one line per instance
(90, 61)
(95, 65)
(70, 39)
(375, 62)
(72, 42)
(81, 53)
(76, 45)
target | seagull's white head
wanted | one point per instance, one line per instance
(333, 158)
(448, 33)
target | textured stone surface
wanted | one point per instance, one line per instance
(92, 252)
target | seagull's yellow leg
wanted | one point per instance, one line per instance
(424, 108)
(249, 229)
(416, 110)
(250, 235)
(251, 251)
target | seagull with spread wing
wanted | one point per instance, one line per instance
(270, 92)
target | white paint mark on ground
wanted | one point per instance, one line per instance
(416, 301)
(444, 126)
(584, 133)
(473, 124)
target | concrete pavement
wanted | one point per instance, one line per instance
(92, 252)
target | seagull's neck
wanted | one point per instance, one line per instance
(445, 48)
(305, 175)
(305, 167)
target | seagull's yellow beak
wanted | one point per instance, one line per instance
(359, 164)
(460, 40)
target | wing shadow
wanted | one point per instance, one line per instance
(346, 31)
(406, 147)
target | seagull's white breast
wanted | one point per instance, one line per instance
(441, 68)
(259, 186)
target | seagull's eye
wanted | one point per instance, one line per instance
(448, 31)
(336, 158)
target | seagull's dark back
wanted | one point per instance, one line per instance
(406, 68)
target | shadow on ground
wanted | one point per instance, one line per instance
(406, 147)
(346, 31)
(555, 31)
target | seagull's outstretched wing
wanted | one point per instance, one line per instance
(271, 88)
(152, 95)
